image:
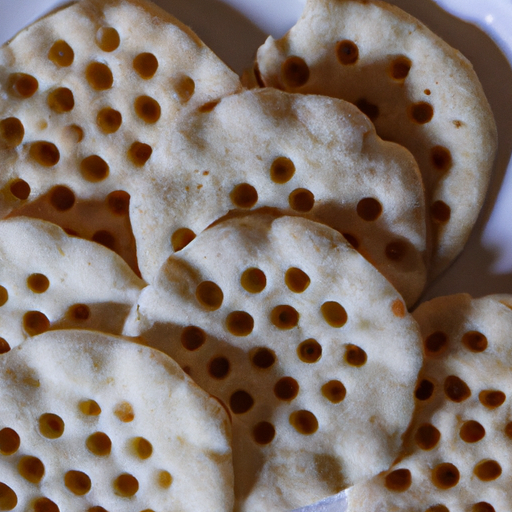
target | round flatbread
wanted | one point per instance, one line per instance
(94, 422)
(310, 348)
(417, 90)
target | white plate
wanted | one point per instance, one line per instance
(234, 29)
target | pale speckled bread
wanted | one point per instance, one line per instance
(310, 348)
(90, 421)
(458, 448)
(306, 155)
(417, 90)
(88, 98)
(49, 280)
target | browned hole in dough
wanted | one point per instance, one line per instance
(445, 476)
(428, 92)
(440, 212)
(90, 408)
(240, 402)
(398, 480)
(474, 341)
(263, 358)
(239, 323)
(145, 64)
(351, 239)
(104, 238)
(334, 391)
(99, 76)
(77, 482)
(492, 399)
(12, 131)
(487, 470)
(9, 441)
(441, 158)
(4, 346)
(118, 202)
(99, 444)
(35, 322)
(44, 153)
(143, 448)
(296, 280)
(147, 109)
(471, 431)
(20, 189)
(109, 120)
(309, 351)
(263, 432)
(347, 52)
(482, 506)
(164, 479)
(96, 509)
(61, 54)
(421, 112)
(107, 39)
(8, 498)
(399, 68)
(253, 280)
(355, 356)
(369, 209)
(94, 168)
(295, 72)
(38, 283)
(192, 337)
(244, 196)
(61, 198)
(23, 85)
(301, 200)
(51, 425)
(73, 133)
(184, 88)
(61, 100)
(45, 505)
(31, 469)
(4, 296)
(398, 308)
(139, 153)
(286, 388)
(124, 411)
(424, 390)
(427, 436)
(304, 422)
(79, 312)
(126, 485)
(181, 238)
(437, 508)
(282, 170)
(284, 317)
(219, 367)
(435, 343)
(334, 314)
(508, 430)
(369, 109)
(396, 251)
(456, 389)
(209, 295)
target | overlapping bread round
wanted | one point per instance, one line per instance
(97, 423)
(309, 347)
(417, 90)
(50, 280)
(458, 449)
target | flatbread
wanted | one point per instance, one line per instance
(95, 422)
(305, 155)
(50, 280)
(417, 90)
(310, 348)
(458, 448)
(88, 98)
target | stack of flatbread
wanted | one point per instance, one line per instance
(205, 286)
